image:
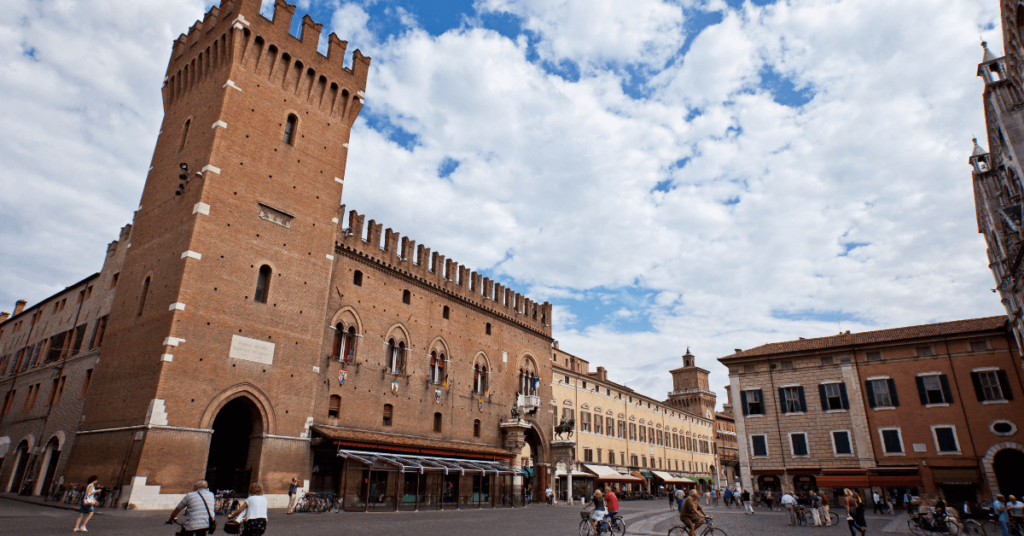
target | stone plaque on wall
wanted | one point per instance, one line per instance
(251, 350)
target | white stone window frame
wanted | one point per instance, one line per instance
(836, 383)
(807, 444)
(992, 428)
(763, 408)
(984, 342)
(849, 439)
(935, 439)
(1001, 400)
(767, 451)
(899, 433)
(934, 404)
(882, 408)
(787, 387)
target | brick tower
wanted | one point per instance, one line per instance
(215, 333)
(690, 391)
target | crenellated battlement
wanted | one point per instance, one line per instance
(236, 36)
(368, 239)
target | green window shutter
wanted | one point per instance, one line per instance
(947, 393)
(869, 392)
(843, 396)
(743, 402)
(824, 399)
(978, 389)
(1004, 384)
(782, 400)
(921, 392)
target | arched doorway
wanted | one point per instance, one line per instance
(768, 483)
(1009, 469)
(20, 464)
(51, 456)
(804, 483)
(235, 446)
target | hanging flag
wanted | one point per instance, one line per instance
(487, 392)
(342, 375)
(394, 386)
(445, 382)
(536, 383)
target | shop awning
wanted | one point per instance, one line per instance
(842, 481)
(368, 440)
(967, 476)
(576, 473)
(646, 474)
(899, 481)
(669, 479)
(423, 464)
(607, 474)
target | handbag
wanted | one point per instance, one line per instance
(213, 521)
(90, 499)
(232, 527)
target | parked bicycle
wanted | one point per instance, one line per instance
(709, 529)
(922, 524)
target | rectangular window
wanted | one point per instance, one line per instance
(632, 431)
(9, 401)
(891, 441)
(979, 346)
(53, 392)
(85, 384)
(759, 444)
(798, 443)
(826, 360)
(643, 434)
(334, 407)
(786, 365)
(438, 420)
(584, 421)
(945, 439)
(79, 338)
(934, 389)
(97, 335)
(598, 420)
(792, 399)
(611, 457)
(609, 426)
(924, 351)
(588, 455)
(878, 393)
(991, 385)
(752, 402)
(622, 429)
(874, 356)
(841, 442)
(831, 398)
(749, 368)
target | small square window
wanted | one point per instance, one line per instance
(874, 356)
(892, 443)
(798, 442)
(924, 351)
(759, 445)
(827, 360)
(841, 442)
(786, 365)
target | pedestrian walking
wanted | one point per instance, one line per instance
(1001, 515)
(790, 504)
(680, 496)
(876, 500)
(550, 496)
(714, 497)
(745, 499)
(889, 505)
(529, 494)
(253, 512)
(767, 500)
(815, 505)
(854, 512)
(671, 499)
(88, 506)
(293, 495)
(826, 517)
(198, 506)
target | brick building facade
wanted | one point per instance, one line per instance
(928, 409)
(255, 335)
(48, 353)
(625, 437)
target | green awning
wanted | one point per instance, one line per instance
(646, 474)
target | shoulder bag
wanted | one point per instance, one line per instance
(213, 521)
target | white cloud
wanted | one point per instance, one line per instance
(592, 32)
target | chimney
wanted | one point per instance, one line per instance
(602, 374)
(737, 350)
(554, 344)
(19, 306)
(4, 316)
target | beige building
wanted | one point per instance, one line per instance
(625, 437)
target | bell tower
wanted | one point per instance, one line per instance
(690, 391)
(217, 316)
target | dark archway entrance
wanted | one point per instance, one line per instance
(51, 457)
(20, 465)
(1008, 465)
(531, 466)
(233, 450)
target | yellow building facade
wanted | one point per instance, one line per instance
(619, 431)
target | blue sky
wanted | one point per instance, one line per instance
(682, 173)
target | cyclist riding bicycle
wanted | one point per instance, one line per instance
(692, 515)
(600, 512)
(612, 501)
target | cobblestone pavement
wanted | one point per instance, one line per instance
(644, 518)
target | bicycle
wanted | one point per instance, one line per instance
(709, 529)
(613, 526)
(984, 527)
(921, 525)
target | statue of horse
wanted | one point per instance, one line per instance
(565, 428)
